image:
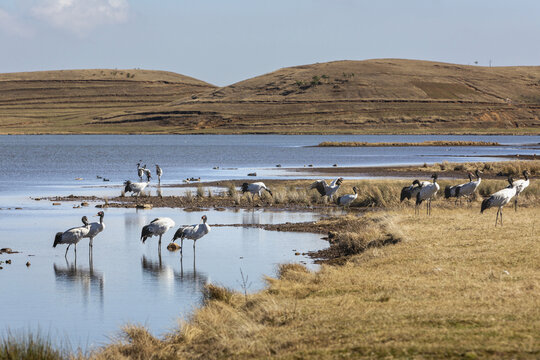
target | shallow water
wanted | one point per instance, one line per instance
(49, 164)
(127, 281)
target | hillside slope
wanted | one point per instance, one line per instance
(67, 101)
(361, 96)
(372, 96)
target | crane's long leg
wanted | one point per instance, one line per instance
(497, 218)
(65, 255)
(501, 217)
(159, 242)
(75, 250)
(181, 245)
(515, 203)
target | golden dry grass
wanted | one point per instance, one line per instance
(457, 288)
(400, 144)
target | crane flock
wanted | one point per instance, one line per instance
(420, 191)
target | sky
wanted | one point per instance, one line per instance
(223, 42)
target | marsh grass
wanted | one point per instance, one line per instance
(500, 168)
(200, 191)
(458, 288)
(31, 346)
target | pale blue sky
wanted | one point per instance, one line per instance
(223, 42)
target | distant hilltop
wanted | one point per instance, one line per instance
(372, 96)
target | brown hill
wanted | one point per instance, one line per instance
(370, 96)
(373, 96)
(67, 101)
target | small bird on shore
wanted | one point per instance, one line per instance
(135, 188)
(255, 189)
(499, 199)
(192, 232)
(327, 190)
(72, 236)
(427, 192)
(520, 186)
(157, 227)
(95, 228)
(159, 172)
(346, 200)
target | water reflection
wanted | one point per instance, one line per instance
(158, 270)
(91, 282)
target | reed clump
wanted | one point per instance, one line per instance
(31, 346)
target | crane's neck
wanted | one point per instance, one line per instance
(101, 219)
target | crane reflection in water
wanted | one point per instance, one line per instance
(90, 281)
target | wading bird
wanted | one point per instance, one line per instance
(157, 227)
(134, 188)
(520, 186)
(499, 199)
(466, 189)
(327, 190)
(427, 192)
(72, 236)
(140, 171)
(159, 172)
(346, 200)
(192, 232)
(409, 192)
(255, 189)
(148, 174)
(95, 228)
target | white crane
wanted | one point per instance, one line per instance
(327, 190)
(520, 186)
(135, 188)
(72, 236)
(157, 227)
(159, 172)
(346, 200)
(95, 228)
(192, 232)
(255, 189)
(427, 192)
(499, 199)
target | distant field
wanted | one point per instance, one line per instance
(398, 144)
(386, 96)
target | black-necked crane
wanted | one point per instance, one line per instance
(520, 186)
(409, 192)
(140, 171)
(346, 200)
(159, 172)
(466, 189)
(427, 193)
(157, 227)
(192, 232)
(72, 236)
(95, 228)
(327, 190)
(255, 188)
(499, 199)
(134, 187)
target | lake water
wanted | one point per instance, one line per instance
(129, 282)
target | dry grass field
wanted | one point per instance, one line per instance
(68, 101)
(341, 97)
(454, 286)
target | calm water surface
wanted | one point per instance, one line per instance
(127, 281)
